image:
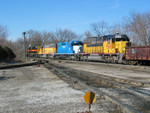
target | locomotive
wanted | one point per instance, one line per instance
(112, 49)
(109, 48)
(68, 49)
(33, 51)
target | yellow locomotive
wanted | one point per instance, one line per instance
(47, 50)
(110, 48)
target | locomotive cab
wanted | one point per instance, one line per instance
(68, 49)
(116, 43)
(32, 51)
(77, 47)
(121, 41)
(121, 37)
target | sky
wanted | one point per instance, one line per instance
(77, 15)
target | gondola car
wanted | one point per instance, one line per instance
(138, 55)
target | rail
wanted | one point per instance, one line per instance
(65, 71)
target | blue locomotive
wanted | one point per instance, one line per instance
(68, 50)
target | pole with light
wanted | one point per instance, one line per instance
(24, 34)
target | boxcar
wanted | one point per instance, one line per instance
(140, 54)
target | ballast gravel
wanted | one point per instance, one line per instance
(37, 90)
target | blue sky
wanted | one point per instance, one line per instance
(77, 15)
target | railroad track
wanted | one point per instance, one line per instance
(124, 66)
(142, 68)
(128, 96)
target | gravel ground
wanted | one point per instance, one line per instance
(36, 90)
(116, 71)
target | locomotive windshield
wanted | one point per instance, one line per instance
(32, 47)
(122, 38)
(77, 43)
(117, 37)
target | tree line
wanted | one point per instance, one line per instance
(136, 26)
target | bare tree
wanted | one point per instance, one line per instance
(139, 24)
(37, 38)
(46, 37)
(65, 35)
(3, 35)
(19, 48)
(88, 34)
(100, 28)
(118, 28)
(53, 38)
(34, 38)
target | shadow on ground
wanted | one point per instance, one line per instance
(5, 78)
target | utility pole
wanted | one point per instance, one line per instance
(24, 33)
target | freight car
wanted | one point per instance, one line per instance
(138, 55)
